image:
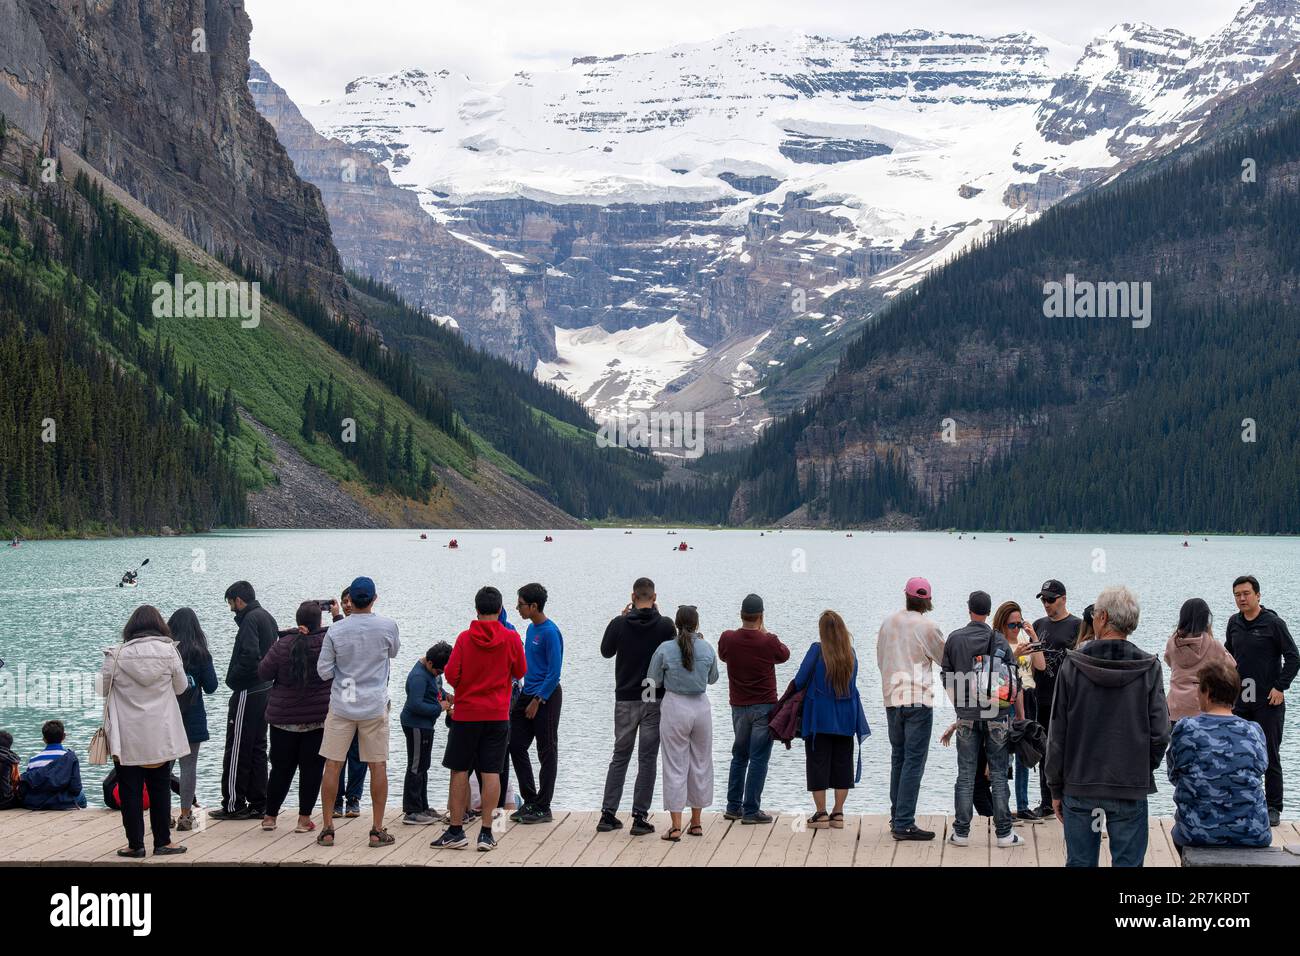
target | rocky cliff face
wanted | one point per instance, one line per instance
(154, 94)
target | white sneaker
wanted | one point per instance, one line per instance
(1011, 839)
(956, 840)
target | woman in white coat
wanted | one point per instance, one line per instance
(140, 680)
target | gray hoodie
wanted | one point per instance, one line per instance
(1110, 723)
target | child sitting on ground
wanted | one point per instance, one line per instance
(53, 777)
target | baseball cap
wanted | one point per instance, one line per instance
(362, 590)
(918, 588)
(753, 604)
(1051, 588)
(979, 602)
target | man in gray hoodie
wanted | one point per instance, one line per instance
(1108, 733)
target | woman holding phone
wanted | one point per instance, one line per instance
(1009, 621)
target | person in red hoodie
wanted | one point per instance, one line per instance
(484, 662)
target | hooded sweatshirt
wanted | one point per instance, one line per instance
(631, 639)
(1186, 654)
(290, 702)
(1110, 723)
(485, 661)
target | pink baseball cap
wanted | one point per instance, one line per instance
(918, 588)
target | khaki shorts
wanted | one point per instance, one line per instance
(372, 734)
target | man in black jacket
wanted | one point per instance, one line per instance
(1267, 661)
(243, 769)
(631, 639)
(1109, 731)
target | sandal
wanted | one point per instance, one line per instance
(325, 837)
(380, 837)
(669, 835)
(695, 829)
(837, 821)
(311, 825)
(268, 826)
(819, 821)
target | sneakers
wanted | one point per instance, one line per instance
(756, 818)
(1026, 816)
(1274, 818)
(243, 813)
(912, 833)
(732, 815)
(956, 839)
(419, 819)
(641, 825)
(1046, 812)
(608, 822)
(518, 815)
(354, 808)
(1011, 839)
(536, 815)
(338, 809)
(486, 841)
(451, 840)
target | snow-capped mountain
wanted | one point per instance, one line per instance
(720, 210)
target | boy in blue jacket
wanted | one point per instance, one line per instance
(53, 777)
(425, 703)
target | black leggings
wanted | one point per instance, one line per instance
(131, 785)
(295, 751)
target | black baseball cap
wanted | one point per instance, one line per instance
(753, 604)
(1051, 588)
(979, 602)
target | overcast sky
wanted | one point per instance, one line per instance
(314, 47)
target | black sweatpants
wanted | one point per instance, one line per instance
(1270, 720)
(243, 769)
(545, 729)
(419, 754)
(131, 785)
(295, 751)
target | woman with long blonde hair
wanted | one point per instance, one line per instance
(832, 717)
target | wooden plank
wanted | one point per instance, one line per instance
(568, 841)
(700, 851)
(650, 850)
(789, 843)
(927, 852)
(521, 842)
(1159, 852)
(70, 845)
(1049, 842)
(741, 845)
(50, 826)
(605, 848)
(977, 854)
(835, 847)
(1019, 856)
(876, 844)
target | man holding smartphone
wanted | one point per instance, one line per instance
(1057, 631)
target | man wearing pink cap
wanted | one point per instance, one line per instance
(908, 647)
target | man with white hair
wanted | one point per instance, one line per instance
(1109, 731)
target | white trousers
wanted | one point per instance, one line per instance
(686, 749)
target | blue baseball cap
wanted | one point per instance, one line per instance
(362, 591)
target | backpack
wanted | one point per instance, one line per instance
(997, 679)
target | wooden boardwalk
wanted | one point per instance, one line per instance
(91, 838)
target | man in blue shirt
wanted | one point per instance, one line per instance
(536, 712)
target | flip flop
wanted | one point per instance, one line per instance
(325, 837)
(669, 835)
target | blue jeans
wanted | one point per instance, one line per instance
(996, 736)
(749, 755)
(355, 772)
(1022, 786)
(909, 744)
(1126, 826)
